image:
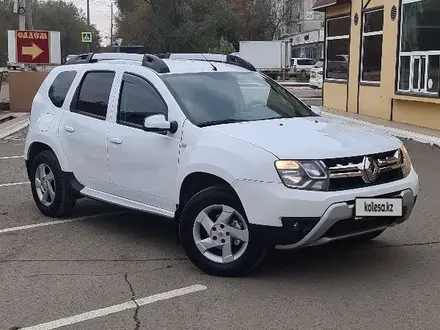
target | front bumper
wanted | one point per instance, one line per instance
(290, 219)
(339, 222)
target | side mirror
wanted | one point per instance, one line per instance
(316, 110)
(158, 123)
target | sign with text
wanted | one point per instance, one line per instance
(34, 47)
(86, 37)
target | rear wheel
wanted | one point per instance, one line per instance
(216, 235)
(50, 188)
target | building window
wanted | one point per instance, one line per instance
(337, 48)
(419, 56)
(372, 46)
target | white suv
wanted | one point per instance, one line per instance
(239, 162)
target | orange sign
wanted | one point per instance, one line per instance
(33, 47)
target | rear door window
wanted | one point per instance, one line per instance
(94, 93)
(60, 87)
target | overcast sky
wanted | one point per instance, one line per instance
(99, 15)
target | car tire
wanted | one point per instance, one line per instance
(220, 260)
(51, 193)
(365, 238)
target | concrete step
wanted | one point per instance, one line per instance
(11, 123)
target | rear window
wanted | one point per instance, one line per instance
(60, 87)
(306, 62)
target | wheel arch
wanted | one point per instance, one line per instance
(195, 182)
(39, 146)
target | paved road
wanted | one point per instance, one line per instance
(61, 270)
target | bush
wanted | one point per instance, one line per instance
(223, 47)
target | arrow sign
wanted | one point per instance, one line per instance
(33, 51)
(33, 47)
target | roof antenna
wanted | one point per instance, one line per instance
(214, 68)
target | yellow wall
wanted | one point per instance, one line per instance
(378, 101)
(373, 103)
(335, 96)
(338, 10)
(417, 113)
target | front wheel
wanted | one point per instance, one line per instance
(216, 235)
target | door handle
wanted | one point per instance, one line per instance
(116, 141)
(69, 129)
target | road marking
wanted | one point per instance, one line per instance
(13, 184)
(59, 222)
(116, 308)
(11, 157)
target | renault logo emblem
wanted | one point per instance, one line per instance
(370, 170)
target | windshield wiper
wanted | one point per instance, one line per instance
(219, 122)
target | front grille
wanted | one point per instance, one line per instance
(349, 173)
(352, 226)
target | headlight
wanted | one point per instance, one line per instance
(306, 175)
(406, 162)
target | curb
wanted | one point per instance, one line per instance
(294, 84)
(16, 125)
(397, 132)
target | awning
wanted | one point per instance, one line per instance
(321, 5)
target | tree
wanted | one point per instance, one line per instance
(57, 15)
(223, 47)
(8, 21)
(193, 25)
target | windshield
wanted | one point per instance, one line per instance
(217, 97)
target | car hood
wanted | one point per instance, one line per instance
(309, 138)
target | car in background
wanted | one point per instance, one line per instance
(316, 75)
(12, 66)
(302, 64)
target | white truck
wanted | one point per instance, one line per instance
(268, 57)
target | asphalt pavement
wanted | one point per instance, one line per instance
(109, 268)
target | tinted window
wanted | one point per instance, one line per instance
(138, 100)
(94, 93)
(60, 87)
(213, 98)
(373, 21)
(372, 61)
(420, 26)
(306, 62)
(405, 63)
(337, 64)
(372, 46)
(338, 27)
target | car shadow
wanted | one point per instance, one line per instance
(336, 260)
(339, 260)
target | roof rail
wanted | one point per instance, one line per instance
(221, 58)
(150, 61)
(155, 63)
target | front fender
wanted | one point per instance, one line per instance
(227, 158)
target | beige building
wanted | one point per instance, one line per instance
(382, 59)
